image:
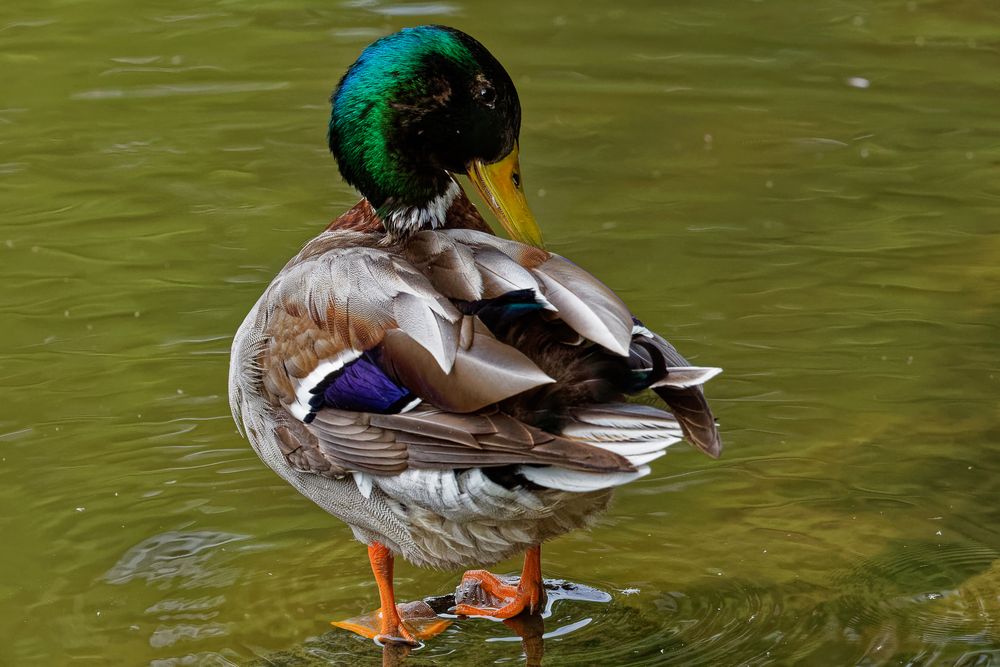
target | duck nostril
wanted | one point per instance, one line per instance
(516, 178)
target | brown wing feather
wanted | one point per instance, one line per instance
(338, 442)
(483, 374)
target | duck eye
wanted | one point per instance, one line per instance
(487, 96)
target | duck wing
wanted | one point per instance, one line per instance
(579, 339)
(366, 367)
(458, 349)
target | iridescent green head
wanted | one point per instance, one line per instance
(416, 107)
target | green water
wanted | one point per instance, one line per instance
(806, 194)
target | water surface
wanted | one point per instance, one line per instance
(803, 193)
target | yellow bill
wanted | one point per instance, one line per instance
(500, 185)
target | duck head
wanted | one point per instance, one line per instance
(418, 107)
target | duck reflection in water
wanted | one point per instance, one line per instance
(529, 627)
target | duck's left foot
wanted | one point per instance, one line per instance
(415, 622)
(496, 598)
(499, 600)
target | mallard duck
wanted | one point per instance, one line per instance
(453, 396)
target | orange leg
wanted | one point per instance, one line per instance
(528, 596)
(390, 625)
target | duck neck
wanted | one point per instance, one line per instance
(404, 216)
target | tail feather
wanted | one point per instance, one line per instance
(578, 481)
(639, 433)
(678, 383)
(682, 377)
(695, 417)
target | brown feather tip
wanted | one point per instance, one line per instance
(695, 417)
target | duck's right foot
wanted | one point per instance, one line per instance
(413, 623)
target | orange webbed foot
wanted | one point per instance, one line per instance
(414, 622)
(501, 600)
(406, 623)
(507, 601)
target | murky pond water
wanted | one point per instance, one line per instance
(807, 194)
